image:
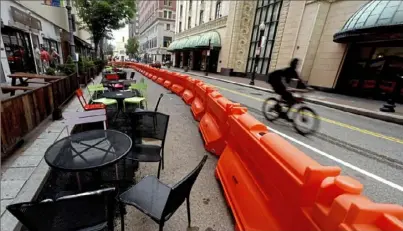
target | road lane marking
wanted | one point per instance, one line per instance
(344, 125)
(339, 161)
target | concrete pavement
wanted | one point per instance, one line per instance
(355, 105)
(369, 150)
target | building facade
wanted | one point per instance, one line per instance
(120, 50)
(347, 46)
(29, 24)
(156, 29)
(134, 24)
(221, 36)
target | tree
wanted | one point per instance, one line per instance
(109, 49)
(132, 47)
(100, 17)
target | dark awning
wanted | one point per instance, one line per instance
(378, 20)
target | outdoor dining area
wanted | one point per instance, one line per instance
(94, 170)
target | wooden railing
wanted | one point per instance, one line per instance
(24, 112)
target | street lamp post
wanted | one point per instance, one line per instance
(257, 53)
(208, 56)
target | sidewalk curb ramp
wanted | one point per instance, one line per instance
(346, 108)
(268, 183)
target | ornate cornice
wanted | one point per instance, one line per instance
(212, 25)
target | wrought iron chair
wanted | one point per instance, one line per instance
(158, 200)
(88, 211)
(149, 124)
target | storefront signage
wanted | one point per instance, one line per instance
(25, 19)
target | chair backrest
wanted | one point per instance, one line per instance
(158, 102)
(73, 118)
(181, 190)
(149, 124)
(132, 74)
(142, 80)
(80, 96)
(75, 212)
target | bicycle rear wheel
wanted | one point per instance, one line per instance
(309, 119)
(271, 109)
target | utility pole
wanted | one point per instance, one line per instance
(71, 32)
(71, 36)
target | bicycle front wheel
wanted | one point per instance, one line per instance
(271, 109)
(306, 121)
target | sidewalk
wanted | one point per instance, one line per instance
(355, 105)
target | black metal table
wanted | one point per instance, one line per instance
(88, 150)
(120, 96)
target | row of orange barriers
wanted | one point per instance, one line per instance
(268, 183)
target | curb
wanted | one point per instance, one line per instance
(354, 110)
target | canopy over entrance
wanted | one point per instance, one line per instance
(378, 20)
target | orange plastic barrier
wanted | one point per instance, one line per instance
(160, 80)
(214, 124)
(198, 105)
(188, 93)
(277, 182)
(178, 85)
(268, 183)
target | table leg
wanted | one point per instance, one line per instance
(78, 181)
(117, 172)
(13, 81)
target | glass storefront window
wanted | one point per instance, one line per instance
(18, 50)
(267, 12)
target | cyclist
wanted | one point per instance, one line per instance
(276, 82)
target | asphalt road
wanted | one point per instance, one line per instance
(366, 149)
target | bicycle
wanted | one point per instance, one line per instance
(273, 109)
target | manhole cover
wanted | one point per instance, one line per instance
(253, 93)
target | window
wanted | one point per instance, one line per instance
(168, 27)
(180, 26)
(190, 5)
(165, 14)
(267, 12)
(181, 10)
(167, 41)
(189, 21)
(169, 2)
(166, 2)
(201, 17)
(218, 9)
(170, 14)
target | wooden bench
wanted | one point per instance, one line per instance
(12, 89)
(20, 76)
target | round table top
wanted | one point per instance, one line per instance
(119, 94)
(88, 150)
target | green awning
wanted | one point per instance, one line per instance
(214, 38)
(181, 43)
(191, 42)
(377, 20)
(173, 45)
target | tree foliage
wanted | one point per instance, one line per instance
(132, 47)
(100, 17)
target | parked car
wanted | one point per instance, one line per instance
(156, 64)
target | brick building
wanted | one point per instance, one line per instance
(156, 28)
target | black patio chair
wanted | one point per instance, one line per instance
(152, 125)
(156, 106)
(132, 75)
(158, 200)
(88, 211)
